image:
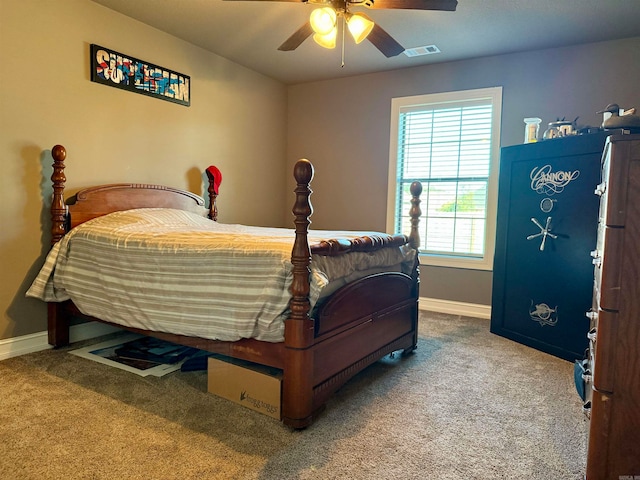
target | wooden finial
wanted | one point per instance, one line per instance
(303, 172)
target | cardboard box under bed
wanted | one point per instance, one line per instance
(251, 385)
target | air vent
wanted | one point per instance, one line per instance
(426, 50)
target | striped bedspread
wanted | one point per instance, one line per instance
(175, 271)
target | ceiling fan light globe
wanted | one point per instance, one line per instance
(323, 20)
(328, 40)
(360, 26)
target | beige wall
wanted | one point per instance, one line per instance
(236, 120)
(342, 126)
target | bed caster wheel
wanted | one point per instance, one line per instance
(408, 351)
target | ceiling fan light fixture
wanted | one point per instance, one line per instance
(359, 26)
(328, 40)
(323, 20)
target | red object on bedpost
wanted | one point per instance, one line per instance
(215, 179)
(297, 380)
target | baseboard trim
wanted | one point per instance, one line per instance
(456, 308)
(35, 342)
(13, 347)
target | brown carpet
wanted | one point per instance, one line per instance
(466, 405)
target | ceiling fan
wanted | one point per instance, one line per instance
(323, 22)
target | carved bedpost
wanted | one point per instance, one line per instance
(298, 330)
(58, 208)
(58, 323)
(414, 242)
(415, 213)
(213, 208)
(213, 193)
(301, 257)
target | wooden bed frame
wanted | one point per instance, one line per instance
(359, 324)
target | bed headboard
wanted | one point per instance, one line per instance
(103, 199)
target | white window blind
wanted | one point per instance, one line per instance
(449, 146)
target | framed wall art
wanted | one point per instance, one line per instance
(118, 70)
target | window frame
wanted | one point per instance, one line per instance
(433, 100)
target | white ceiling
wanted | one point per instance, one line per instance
(249, 32)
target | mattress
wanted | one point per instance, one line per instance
(175, 271)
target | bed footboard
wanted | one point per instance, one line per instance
(360, 324)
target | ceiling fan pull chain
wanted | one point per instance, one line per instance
(343, 29)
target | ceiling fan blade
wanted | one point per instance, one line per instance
(295, 40)
(384, 42)
(445, 5)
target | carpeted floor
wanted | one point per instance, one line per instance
(466, 405)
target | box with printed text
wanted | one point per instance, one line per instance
(249, 384)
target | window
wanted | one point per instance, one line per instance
(451, 143)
